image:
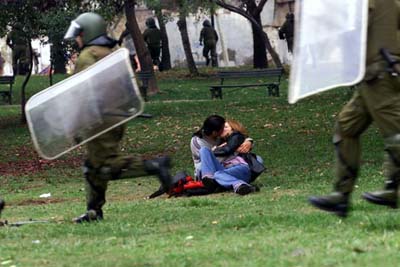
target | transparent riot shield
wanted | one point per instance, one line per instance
(82, 107)
(329, 47)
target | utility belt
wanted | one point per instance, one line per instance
(389, 64)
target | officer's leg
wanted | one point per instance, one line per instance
(214, 58)
(95, 187)
(352, 121)
(388, 196)
(155, 55)
(116, 168)
(206, 50)
(2, 204)
(384, 98)
(126, 167)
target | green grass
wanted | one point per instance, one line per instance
(275, 227)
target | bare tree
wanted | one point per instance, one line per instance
(251, 11)
(186, 44)
(142, 51)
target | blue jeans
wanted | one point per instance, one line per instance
(231, 177)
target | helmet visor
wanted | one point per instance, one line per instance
(73, 31)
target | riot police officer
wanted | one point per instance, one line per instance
(17, 41)
(376, 99)
(152, 37)
(209, 37)
(287, 31)
(104, 161)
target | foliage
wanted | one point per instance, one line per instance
(48, 20)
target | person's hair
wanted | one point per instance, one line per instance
(238, 127)
(211, 124)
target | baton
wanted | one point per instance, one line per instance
(393, 63)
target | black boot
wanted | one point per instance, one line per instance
(335, 202)
(2, 204)
(387, 197)
(207, 61)
(89, 216)
(245, 189)
(210, 184)
(160, 167)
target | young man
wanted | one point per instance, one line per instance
(104, 161)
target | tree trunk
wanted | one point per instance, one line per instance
(186, 45)
(23, 89)
(259, 47)
(165, 55)
(58, 58)
(141, 49)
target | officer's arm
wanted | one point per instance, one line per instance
(201, 36)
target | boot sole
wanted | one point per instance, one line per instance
(379, 201)
(339, 210)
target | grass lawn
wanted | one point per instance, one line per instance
(275, 227)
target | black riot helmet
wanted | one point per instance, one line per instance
(150, 23)
(207, 23)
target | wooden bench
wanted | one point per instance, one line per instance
(144, 77)
(272, 86)
(7, 94)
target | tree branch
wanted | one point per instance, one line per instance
(261, 5)
(256, 25)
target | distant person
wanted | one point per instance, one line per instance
(127, 41)
(152, 38)
(35, 58)
(287, 31)
(2, 62)
(209, 37)
(20, 51)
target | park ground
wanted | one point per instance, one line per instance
(274, 227)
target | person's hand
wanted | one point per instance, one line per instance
(221, 145)
(245, 147)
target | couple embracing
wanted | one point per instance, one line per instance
(222, 158)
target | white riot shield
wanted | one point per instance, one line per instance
(329, 47)
(84, 106)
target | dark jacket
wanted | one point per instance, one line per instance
(208, 35)
(233, 142)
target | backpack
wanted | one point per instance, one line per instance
(184, 185)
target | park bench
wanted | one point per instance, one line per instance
(6, 93)
(271, 85)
